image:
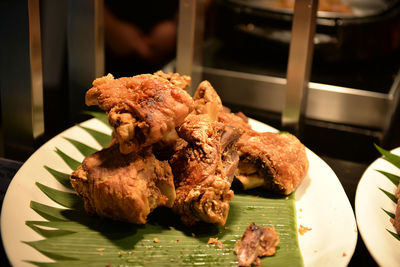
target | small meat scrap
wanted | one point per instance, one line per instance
(303, 229)
(396, 221)
(256, 242)
(215, 241)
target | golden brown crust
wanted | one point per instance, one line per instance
(202, 170)
(142, 109)
(182, 81)
(207, 101)
(282, 155)
(123, 187)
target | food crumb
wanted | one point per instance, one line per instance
(100, 249)
(391, 220)
(215, 241)
(108, 265)
(171, 228)
(177, 240)
(147, 262)
(193, 235)
(212, 240)
(344, 254)
(101, 254)
(263, 215)
(286, 198)
(121, 252)
(303, 229)
(132, 252)
(226, 227)
(156, 240)
(238, 228)
(300, 210)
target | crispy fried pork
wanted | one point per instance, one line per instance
(143, 109)
(275, 161)
(203, 169)
(182, 81)
(155, 121)
(207, 101)
(256, 242)
(278, 162)
(237, 120)
(124, 187)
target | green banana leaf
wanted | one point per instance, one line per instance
(395, 179)
(71, 237)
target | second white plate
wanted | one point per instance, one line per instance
(373, 222)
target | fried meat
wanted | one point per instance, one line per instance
(182, 81)
(207, 101)
(256, 242)
(237, 120)
(124, 187)
(278, 162)
(142, 109)
(203, 169)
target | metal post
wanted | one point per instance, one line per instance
(21, 80)
(85, 38)
(299, 64)
(190, 40)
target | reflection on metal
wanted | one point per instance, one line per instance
(299, 65)
(35, 55)
(85, 37)
(325, 102)
(190, 39)
(394, 97)
(99, 42)
(21, 80)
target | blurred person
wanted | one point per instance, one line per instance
(140, 36)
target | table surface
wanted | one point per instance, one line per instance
(348, 173)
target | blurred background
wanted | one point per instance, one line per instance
(352, 99)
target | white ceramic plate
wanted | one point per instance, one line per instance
(321, 203)
(372, 221)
